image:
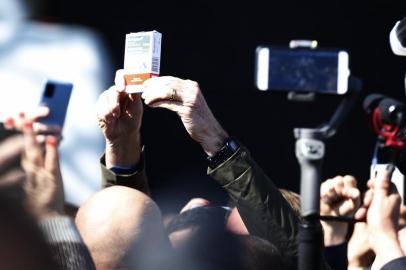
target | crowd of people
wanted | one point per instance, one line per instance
(121, 227)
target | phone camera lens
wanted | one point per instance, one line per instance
(49, 90)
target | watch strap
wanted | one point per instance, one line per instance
(230, 147)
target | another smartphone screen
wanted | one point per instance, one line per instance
(302, 70)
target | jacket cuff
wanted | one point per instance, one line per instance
(136, 180)
(231, 169)
(399, 263)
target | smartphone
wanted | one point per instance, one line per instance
(56, 97)
(302, 70)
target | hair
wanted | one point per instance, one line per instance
(293, 199)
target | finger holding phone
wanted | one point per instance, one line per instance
(43, 187)
(49, 116)
(41, 129)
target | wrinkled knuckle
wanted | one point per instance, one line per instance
(194, 98)
(327, 181)
(327, 184)
(193, 83)
(349, 177)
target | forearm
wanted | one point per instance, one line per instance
(334, 233)
(262, 207)
(388, 249)
(137, 179)
(125, 152)
(214, 138)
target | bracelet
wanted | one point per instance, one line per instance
(124, 170)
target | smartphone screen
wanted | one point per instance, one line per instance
(56, 97)
(302, 70)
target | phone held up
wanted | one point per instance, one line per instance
(302, 70)
(56, 96)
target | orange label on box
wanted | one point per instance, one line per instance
(135, 79)
(134, 82)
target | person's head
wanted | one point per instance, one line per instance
(182, 227)
(200, 240)
(122, 228)
(201, 236)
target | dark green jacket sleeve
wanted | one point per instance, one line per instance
(138, 180)
(262, 207)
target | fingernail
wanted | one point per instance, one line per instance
(50, 140)
(9, 122)
(28, 125)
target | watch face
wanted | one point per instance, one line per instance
(233, 145)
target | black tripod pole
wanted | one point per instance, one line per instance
(310, 153)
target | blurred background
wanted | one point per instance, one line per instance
(213, 42)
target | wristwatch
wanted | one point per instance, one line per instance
(230, 147)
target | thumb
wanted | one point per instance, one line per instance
(361, 213)
(32, 150)
(119, 80)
